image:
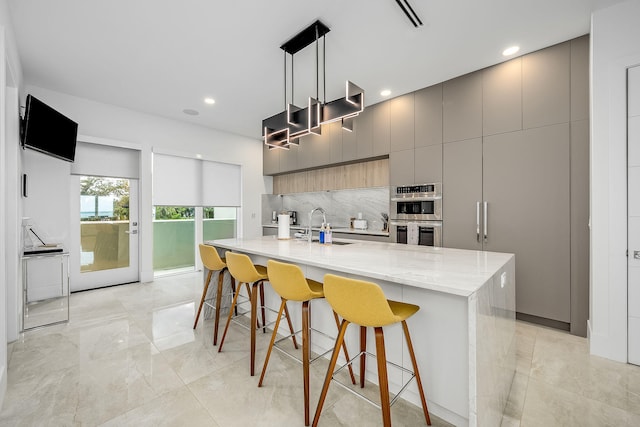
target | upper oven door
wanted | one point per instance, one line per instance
(416, 202)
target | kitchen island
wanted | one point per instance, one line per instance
(463, 335)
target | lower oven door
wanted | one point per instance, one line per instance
(424, 233)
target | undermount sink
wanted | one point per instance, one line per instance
(333, 243)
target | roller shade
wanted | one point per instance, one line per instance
(220, 184)
(105, 160)
(182, 181)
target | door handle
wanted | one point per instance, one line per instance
(132, 232)
(478, 222)
(486, 226)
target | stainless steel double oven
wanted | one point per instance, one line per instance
(416, 214)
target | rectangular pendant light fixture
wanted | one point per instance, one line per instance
(285, 128)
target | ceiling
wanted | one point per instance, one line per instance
(164, 56)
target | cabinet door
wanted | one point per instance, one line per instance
(335, 143)
(427, 164)
(289, 158)
(502, 98)
(401, 167)
(401, 122)
(462, 108)
(546, 86)
(461, 192)
(526, 186)
(428, 116)
(270, 160)
(350, 141)
(364, 134)
(381, 136)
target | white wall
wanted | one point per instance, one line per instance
(614, 47)
(155, 133)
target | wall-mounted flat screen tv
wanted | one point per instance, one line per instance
(48, 131)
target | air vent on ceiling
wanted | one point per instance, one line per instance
(409, 12)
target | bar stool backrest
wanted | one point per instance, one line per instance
(241, 268)
(289, 282)
(358, 301)
(210, 258)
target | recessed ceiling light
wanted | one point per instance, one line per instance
(191, 112)
(510, 50)
(385, 92)
(209, 101)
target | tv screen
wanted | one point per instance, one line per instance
(48, 131)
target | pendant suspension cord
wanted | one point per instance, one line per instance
(317, 65)
(292, 96)
(324, 69)
(285, 79)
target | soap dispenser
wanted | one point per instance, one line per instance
(328, 238)
(322, 233)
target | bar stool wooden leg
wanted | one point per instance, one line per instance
(283, 305)
(332, 366)
(363, 356)
(226, 327)
(218, 299)
(383, 379)
(415, 371)
(344, 349)
(254, 320)
(305, 358)
(293, 337)
(264, 318)
(204, 295)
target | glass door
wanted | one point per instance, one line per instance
(105, 239)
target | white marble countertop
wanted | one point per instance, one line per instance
(346, 230)
(454, 271)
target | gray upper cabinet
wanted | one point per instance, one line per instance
(526, 185)
(350, 142)
(381, 136)
(401, 167)
(270, 160)
(462, 107)
(335, 142)
(580, 78)
(401, 124)
(546, 87)
(427, 164)
(364, 134)
(502, 98)
(289, 159)
(428, 116)
(461, 193)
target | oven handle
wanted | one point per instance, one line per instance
(415, 199)
(422, 223)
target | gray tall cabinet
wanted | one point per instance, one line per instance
(512, 146)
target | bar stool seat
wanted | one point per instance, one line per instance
(289, 282)
(364, 303)
(253, 276)
(212, 261)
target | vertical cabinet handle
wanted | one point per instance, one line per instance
(478, 222)
(486, 227)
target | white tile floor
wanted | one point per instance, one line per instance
(129, 356)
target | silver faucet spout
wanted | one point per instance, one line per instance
(324, 220)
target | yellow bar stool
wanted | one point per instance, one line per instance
(253, 276)
(212, 261)
(363, 303)
(289, 282)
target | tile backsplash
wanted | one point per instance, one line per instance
(340, 205)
